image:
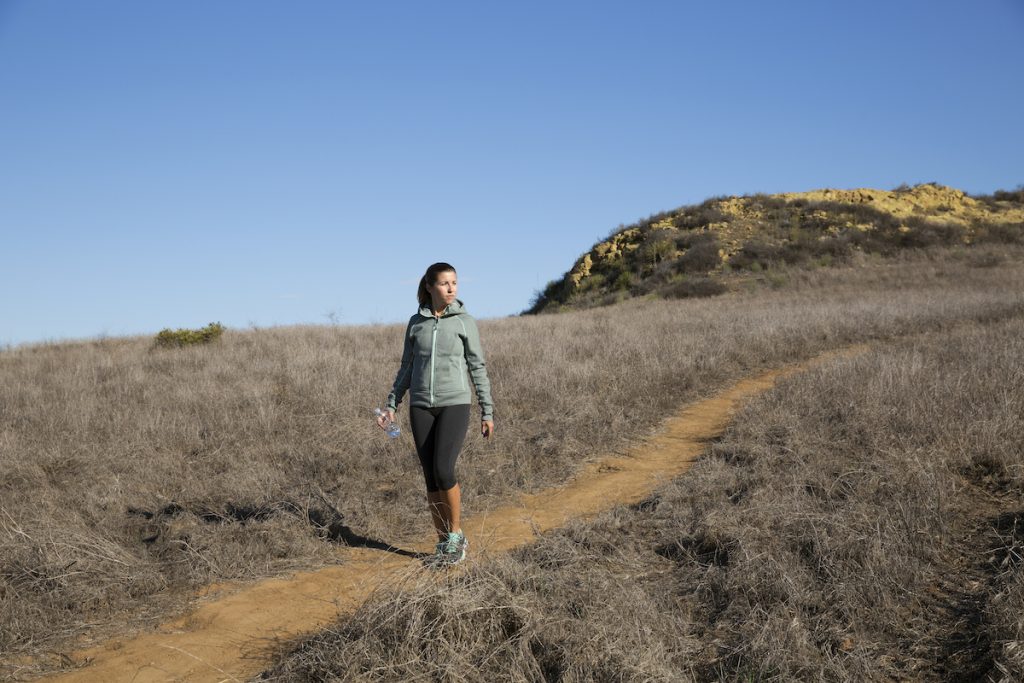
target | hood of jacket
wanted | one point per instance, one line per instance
(454, 308)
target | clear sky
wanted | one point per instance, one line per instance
(170, 164)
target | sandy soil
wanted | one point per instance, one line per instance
(231, 635)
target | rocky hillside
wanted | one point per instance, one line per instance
(698, 250)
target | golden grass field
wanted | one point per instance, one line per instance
(825, 536)
(861, 521)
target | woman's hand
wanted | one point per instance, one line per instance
(386, 418)
(487, 427)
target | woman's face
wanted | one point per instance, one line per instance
(443, 291)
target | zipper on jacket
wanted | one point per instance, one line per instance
(433, 348)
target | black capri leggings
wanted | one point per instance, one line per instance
(439, 433)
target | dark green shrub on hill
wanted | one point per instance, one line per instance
(1000, 233)
(659, 246)
(823, 216)
(757, 255)
(700, 216)
(1010, 196)
(1015, 196)
(647, 225)
(927, 234)
(168, 338)
(553, 295)
(701, 253)
(693, 288)
(595, 282)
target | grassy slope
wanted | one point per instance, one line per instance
(130, 474)
(720, 244)
(863, 521)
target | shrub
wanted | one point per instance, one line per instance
(927, 234)
(1000, 233)
(551, 295)
(823, 216)
(659, 245)
(701, 256)
(835, 248)
(168, 338)
(1016, 195)
(646, 226)
(756, 252)
(690, 288)
(623, 281)
(700, 216)
(594, 282)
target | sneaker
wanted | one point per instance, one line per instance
(438, 556)
(454, 550)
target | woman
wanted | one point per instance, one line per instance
(441, 344)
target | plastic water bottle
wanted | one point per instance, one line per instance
(392, 429)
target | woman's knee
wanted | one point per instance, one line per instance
(445, 479)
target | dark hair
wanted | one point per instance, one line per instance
(429, 278)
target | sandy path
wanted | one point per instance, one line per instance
(229, 638)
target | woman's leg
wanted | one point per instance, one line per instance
(438, 513)
(423, 433)
(439, 434)
(450, 509)
(450, 429)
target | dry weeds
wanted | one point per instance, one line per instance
(129, 474)
(863, 521)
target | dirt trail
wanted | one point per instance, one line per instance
(230, 637)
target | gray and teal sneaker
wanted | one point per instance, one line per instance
(453, 550)
(438, 556)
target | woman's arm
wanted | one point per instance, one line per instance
(404, 377)
(478, 372)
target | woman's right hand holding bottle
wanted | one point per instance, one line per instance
(386, 421)
(385, 417)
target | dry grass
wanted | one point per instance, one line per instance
(129, 474)
(514, 620)
(850, 518)
(862, 521)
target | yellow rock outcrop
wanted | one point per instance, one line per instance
(936, 202)
(929, 202)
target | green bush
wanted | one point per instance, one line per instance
(550, 296)
(623, 281)
(1010, 195)
(701, 255)
(1000, 233)
(168, 338)
(692, 288)
(658, 246)
(701, 216)
(927, 234)
(756, 255)
(595, 281)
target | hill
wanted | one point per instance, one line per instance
(136, 480)
(704, 249)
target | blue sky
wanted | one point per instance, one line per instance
(169, 164)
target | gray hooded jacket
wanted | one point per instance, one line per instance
(438, 353)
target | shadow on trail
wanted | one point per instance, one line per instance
(154, 525)
(339, 532)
